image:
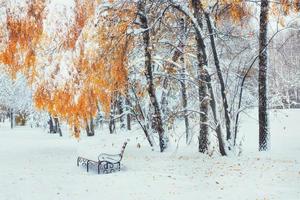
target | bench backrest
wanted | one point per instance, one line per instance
(123, 149)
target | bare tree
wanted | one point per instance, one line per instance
(157, 119)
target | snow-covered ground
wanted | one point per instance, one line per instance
(39, 166)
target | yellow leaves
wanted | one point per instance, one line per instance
(297, 5)
(61, 101)
(98, 57)
(25, 32)
(114, 45)
(41, 97)
(284, 7)
(76, 131)
(7, 57)
(140, 91)
(170, 69)
(281, 21)
(30, 58)
(236, 10)
(274, 10)
(105, 72)
(285, 4)
(23, 36)
(83, 10)
(36, 9)
(71, 38)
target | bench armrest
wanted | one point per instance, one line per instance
(112, 158)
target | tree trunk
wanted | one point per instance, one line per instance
(87, 128)
(181, 47)
(262, 78)
(149, 76)
(298, 95)
(57, 126)
(99, 120)
(140, 117)
(128, 110)
(202, 87)
(128, 121)
(11, 116)
(112, 125)
(164, 98)
(92, 126)
(214, 111)
(51, 126)
(220, 76)
(121, 112)
(184, 105)
(112, 120)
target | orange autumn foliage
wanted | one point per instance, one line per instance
(100, 56)
(24, 34)
(84, 9)
(98, 71)
(235, 10)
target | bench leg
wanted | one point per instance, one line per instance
(87, 166)
(77, 161)
(99, 164)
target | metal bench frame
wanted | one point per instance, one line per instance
(107, 163)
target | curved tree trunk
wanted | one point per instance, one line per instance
(214, 111)
(140, 117)
(220, 76)
(158, 125)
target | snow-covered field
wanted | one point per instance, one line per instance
(39, 166)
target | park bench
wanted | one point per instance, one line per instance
(107, 163)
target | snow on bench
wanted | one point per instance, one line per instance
(107, 163)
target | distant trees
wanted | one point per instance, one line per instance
(284, 73)
(16, 98)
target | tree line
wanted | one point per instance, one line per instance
(153, 63)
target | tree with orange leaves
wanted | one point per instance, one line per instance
(24, 34)
(19, 53)
(98, 66)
